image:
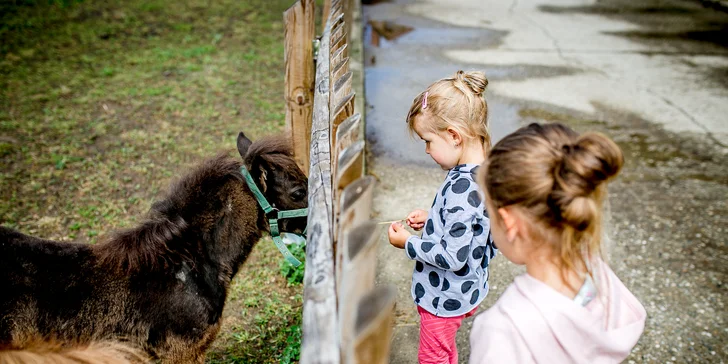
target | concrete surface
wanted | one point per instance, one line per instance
(652, 74)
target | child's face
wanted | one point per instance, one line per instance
(440, 146)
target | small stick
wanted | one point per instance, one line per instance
(388, 222)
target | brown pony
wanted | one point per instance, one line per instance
(160, 286)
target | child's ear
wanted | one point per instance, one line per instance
(455, 137)
(510, 220)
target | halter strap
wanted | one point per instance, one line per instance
(273, 216)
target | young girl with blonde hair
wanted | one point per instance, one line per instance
(450, 277)
(544, 186)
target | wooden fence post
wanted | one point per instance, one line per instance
(325, 14)
(298, 56)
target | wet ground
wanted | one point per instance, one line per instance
(653, 75)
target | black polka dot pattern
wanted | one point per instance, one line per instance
(455, 209)
(474, 198)
(442, 217)
(478, 252)
(451, 304)
(461, 185)
(440, 260)
(435, 302)
(445, 285)
(477, 229)
(462, 272)
(429, 227)
(457, 230)
(419, 266)
(455, 176)
(443, 242)
(427, 246)
(474, 297)
(419, 292)
(444, 189)
(434, 279)
(411, 250)
(465, 287)
(463, 253)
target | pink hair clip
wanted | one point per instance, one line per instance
(424, 101)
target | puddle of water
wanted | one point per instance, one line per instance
(387, 30)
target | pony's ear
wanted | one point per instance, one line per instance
(243, 144)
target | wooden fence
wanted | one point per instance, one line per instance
(346, 319)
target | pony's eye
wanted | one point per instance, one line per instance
(298, 194)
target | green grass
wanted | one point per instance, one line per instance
(102, 104)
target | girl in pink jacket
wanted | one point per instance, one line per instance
(544, 187)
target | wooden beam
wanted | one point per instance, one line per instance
(374, 324)
(359, 266)
(320, 341)
(298, 56)
(354, 209)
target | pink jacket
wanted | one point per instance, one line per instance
(532, 323)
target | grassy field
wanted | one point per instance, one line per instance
(103, 104)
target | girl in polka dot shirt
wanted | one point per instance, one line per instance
(450, 277)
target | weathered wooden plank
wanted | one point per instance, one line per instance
(298, 56)
(350, 167)
(337, 32)
(339, 45)
(347, 133)
(344, 110)
(336, 9)
(339, 54)
(335, 19)
(341, 88)
(354, 209)
(359, 263)
(345, 138)
(320, 344)
(373, 329)
(340, 69)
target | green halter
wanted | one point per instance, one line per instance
(273, 215)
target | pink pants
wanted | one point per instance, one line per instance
(437, 337)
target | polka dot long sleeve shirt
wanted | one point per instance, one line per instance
(452, 256)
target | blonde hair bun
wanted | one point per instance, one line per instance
(475, 81)
(584, 166)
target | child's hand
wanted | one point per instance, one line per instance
(416, 219)
(398, 235)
